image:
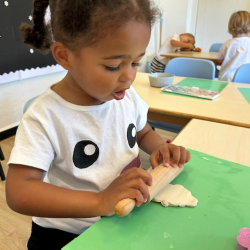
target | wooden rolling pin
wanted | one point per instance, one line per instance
(161, 176)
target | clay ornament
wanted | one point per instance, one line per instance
(244, 239)
(176, 196)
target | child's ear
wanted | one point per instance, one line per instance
(61, 55)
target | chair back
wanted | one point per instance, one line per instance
(242, 74)
(190, 67)
(27, 104)
(215, 47)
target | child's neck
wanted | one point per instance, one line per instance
(240, 35)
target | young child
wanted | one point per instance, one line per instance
(184, 42)
(85, 131)
(236, 51)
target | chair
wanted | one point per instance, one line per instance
(1, 152)
(27, 104)
(165, 126)
(190, 67)
(187, 67)
(1, 168)
(242, 74)
(215, 47)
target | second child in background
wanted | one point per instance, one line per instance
(235, 51)
(173, 43)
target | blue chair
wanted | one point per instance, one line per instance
(2, 175)
(215, 47)
(187, 67)
(165, 126)
(27, 104)
(242, 74)
(190, 67)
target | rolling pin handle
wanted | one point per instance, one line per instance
(124, 207)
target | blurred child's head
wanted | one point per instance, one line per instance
(187, 38)
(82, 23)
(239, 23)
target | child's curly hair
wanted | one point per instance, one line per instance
(79, 23)
(239, 23)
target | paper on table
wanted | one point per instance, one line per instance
(193, 91)
(211, 85)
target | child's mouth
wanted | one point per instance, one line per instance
(119, 95)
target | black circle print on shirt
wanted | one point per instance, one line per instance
(85, 154)
(131, 135)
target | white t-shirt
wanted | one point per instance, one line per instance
(167, 48)
(80, 147)
(235, 52)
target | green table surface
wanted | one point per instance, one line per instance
(246, 93)
(223, 192)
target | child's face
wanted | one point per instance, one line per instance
(186, 39)
(104, 71)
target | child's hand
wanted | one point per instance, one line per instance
(167, 151)
(197, 49)
(131, 184)
(185, 49)
(189, 46)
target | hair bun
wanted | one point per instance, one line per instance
(35, 38)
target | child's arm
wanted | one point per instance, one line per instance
(220, 61)
(177, 44)
(221, 54)
(27, 194)
(150, 142)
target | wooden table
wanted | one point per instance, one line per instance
(224, 141)
(212, 56)
(229, 108)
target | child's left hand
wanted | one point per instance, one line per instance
(171, 154)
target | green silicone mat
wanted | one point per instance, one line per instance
(216, 86)
(223, 192)
(246, 93)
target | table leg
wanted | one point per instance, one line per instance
(1, 168)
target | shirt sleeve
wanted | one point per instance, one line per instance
(141, 110)
(222, 52)
(175, 37)
(32, 146)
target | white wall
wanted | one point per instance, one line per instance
(212, 21)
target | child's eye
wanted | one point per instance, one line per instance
(112, 68)
(136, 64)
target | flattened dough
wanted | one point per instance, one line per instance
(176, 196)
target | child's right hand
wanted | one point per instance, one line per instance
(190, 46)
(197, 49)
(131, 184)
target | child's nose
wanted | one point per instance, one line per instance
(127, 74)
